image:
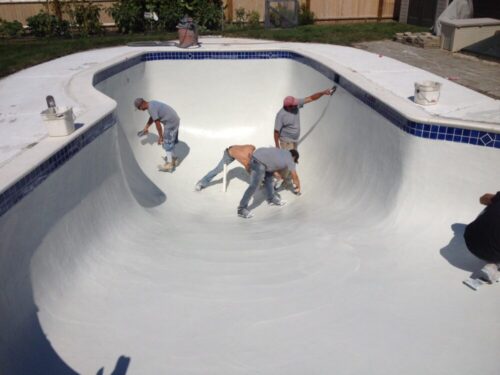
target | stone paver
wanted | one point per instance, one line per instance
(480, 75)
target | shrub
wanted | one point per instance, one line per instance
(10, 29)
(128, 15)
(253, 19)
(85, 17)
(44, 24)
(241, 16)
(169, 13)
(306, 17)
(208, 13)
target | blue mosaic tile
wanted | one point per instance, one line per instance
(26, 184)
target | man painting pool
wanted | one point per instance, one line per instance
(167, 124)
(287, 122)
(264, 163)
(482, 237)
(242, 153)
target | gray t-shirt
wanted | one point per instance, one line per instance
(163, 112)
(275, 159)
(288, 124)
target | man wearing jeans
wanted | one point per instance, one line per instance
(242, 153)
(162, 114)
(265, 161)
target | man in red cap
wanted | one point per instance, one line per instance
(287, 126)
(287, 123)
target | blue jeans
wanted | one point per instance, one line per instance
(169, 141)
(226, 159)
(257, 174)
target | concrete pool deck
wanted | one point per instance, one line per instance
(478, 74)
(108, 258)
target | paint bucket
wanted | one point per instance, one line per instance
(427, 92)
(59, 121)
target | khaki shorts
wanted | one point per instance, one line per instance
(285, 145)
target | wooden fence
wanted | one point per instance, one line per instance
(20, 11)
(324, 10)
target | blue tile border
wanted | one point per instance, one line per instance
(430, 131)
(29, 182)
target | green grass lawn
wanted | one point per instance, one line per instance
(20, 53)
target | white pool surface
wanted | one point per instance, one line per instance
(361, 274)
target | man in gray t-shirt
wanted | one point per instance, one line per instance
(167, 124)
(287, 123)
(265, 161)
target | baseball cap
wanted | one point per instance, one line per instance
(138, 102)
(290, 101)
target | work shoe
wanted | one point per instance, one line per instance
(276, 201)
(167, 167)
(198, 186)
(490, 273)
(244, 213)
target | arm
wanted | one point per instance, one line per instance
(277, 138)
(488, 198)
(148, 124)
(318, 95)
(159, 128)
(296, 181)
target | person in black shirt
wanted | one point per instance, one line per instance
(482, 236)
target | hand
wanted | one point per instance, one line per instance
(486, 199)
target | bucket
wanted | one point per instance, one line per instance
(188, 33)
(427, 92)
(59, 121)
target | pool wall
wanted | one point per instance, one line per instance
(366, 172)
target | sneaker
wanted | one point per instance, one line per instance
(245, 213)
(198, 186)
(167, 167)
(276, 201)
(490, 273)
(176, 161)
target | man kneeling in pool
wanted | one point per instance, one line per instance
(264, 163)
(242, 153)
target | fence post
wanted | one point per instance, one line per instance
(380, 10)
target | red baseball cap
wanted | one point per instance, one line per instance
(290, 101)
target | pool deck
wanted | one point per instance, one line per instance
(25, 142)
(475, 73)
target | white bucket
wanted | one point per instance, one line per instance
(60, 122)
(427, 92)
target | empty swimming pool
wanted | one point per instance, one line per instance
(108, 258)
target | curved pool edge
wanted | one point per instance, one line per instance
(79, 88)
